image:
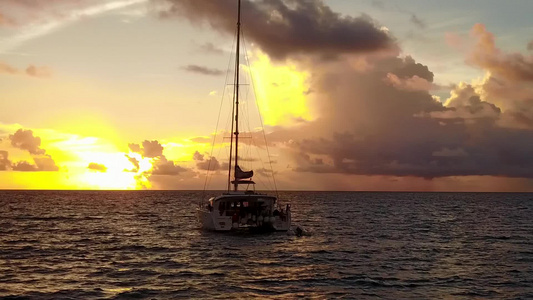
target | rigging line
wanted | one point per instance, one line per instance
(253, 144)
(260, 117)
(248, 121)
(270, 186)
(216, 128)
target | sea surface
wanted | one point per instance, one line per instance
(148, 245)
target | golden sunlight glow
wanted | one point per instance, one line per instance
(281, 91)
(73, 154)
(85, 123)
(114, 177)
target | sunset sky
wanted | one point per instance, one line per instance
(355, 95)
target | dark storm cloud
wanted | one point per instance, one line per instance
(97, 167)
(410, 68)
(203, 70)
(24, 139)
(284, 28)
(369, 127)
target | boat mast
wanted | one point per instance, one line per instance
(237, 56)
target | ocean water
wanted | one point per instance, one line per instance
(148, 245)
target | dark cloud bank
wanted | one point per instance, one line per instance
(286, 28)
(377, 116)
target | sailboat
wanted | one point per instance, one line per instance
(242, 209)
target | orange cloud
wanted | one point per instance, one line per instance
(512, 66)
(7, 69)
(38, 71)
(97, 167)
(32, 71)
(24, 139)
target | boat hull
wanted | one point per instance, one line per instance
(214, 221)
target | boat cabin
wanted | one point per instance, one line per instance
(242, 204)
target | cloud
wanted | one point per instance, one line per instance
(485, 54)
(197, 156)
(202, 140)
(382, 120)
(97, 167)
(152, 166)
(35, 18)
(149, 149)
(42, 164)
(210, 48)
(163, 166)
(287, 28)
(152, 149)
(135, 148)
(465, 104)
(508, 80)
(24, 139)
(45, 163)
(5, 20)
(24, 166)
(135, 163)
(32, 71)
(38, 71)
(7, 69)
(530, 45)
(203, 70)
(4, 161)
(211, 164)
(414, 83)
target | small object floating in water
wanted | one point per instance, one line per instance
(299, 231)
